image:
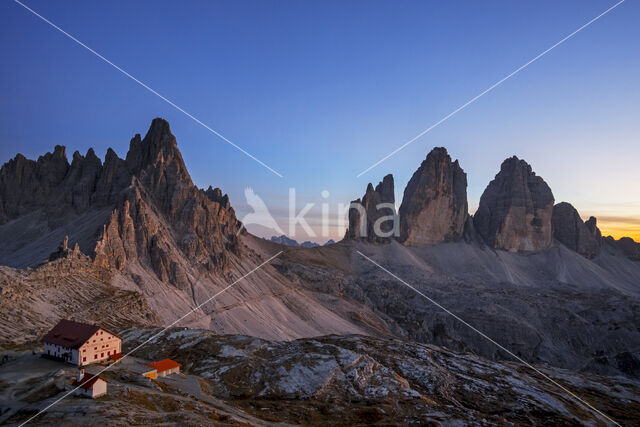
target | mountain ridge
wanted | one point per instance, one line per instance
(161, 244)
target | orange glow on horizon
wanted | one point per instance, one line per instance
(620, 229)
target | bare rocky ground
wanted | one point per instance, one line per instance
(145, 246)
(30, 383)
(552, 306)
(32, 300)
(330, 380)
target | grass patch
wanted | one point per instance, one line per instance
(141, 400)
(167, 404)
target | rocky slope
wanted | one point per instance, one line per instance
(553, 306)
(434, 206)
(515, 209)
(357, 379)
(331, 380)
(31, 301)
(142, 224)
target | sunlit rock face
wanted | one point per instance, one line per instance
(376, 208)
(163, 217)
(434, 207)
(571, 231)
(515, 209)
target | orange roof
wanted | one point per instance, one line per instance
(163, 365)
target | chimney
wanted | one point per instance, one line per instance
(80, 373)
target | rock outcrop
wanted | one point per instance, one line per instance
(434, 206)
(370, 221)
(571, 231)
(64, 251)
(515, 209)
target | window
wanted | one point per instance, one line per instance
(95, 348)
(100, 332)
(109, 353)
(84, 359)
(95, 356)
(84, 350)
(101, 354)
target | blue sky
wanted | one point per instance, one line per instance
(321, 90)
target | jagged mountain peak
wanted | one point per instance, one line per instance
(369, 188)
(514, 162)
(143, 209)
(362, 222)
(158, 149)
(59, 152)
(386, 187)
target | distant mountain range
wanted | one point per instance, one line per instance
(132, 242)
(284, 240)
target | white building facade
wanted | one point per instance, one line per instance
(81, 343)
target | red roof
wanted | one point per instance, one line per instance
(88, 381)
(163, 365)
(70, 334)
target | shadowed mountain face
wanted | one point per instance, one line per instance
(143, 237)
(434, 206)
(570, 230)
(147, 204)
(515, 209)
(371, 219)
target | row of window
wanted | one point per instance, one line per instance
(95, 356)
(84, 350)
(102, 339)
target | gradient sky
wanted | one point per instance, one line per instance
(320, 91)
